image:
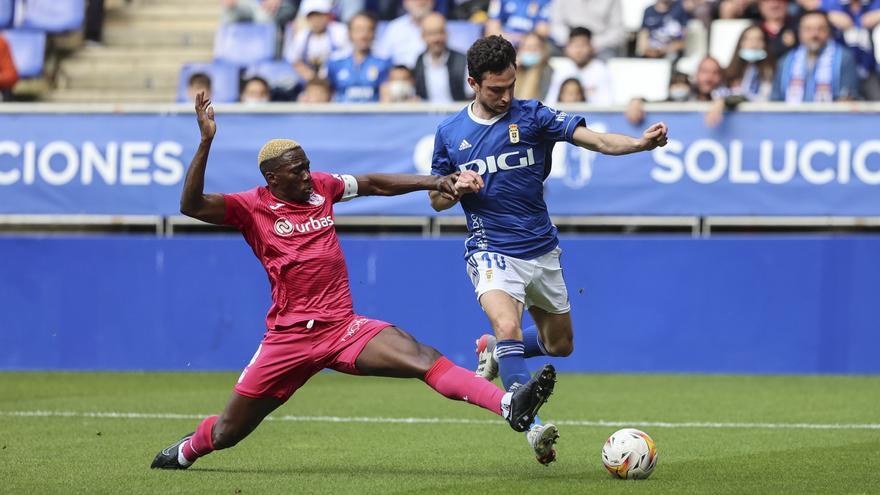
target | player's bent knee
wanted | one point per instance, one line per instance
(427, 357)
(560, 348)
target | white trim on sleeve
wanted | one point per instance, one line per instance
(351, 187)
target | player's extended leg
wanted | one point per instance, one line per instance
(505, 316)
(395, 353)
(551, 335)
(239, 418)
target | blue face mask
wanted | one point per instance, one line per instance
(752, 55)
(530, 59)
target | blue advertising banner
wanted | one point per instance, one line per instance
(754, 164)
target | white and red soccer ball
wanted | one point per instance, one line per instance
(629, 454)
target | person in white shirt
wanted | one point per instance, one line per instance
(604, 18)
(315, 43)
(581, 63)
(402, 40)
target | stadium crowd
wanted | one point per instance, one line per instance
(793, 51)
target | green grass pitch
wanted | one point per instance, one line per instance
(83, 453)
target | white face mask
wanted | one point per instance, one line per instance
(400, 90)
(679, 93)
(529, 59)
(752, 55)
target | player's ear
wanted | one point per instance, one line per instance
(473, 84)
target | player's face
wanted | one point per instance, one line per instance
(495, 93)
(292, 180)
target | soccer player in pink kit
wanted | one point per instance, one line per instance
(311, 325)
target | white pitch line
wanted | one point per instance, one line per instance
(451, 421)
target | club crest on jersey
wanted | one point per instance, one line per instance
(513, 132)
(316, 199)
(283, 227)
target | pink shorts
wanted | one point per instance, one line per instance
(286, 359)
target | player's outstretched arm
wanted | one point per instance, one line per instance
(466, 182)
(194, 202)
(396, 184)
(618, 144)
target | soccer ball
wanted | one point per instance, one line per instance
(629, 454)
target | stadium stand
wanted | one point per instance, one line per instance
(723, 35)
(53, 16)
(629, 75)
(244, 43)
(7, 13)
(224, 80)
(28, 49)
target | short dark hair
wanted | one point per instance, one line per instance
(365, 13)
(580, 31)
(199, 78)
(258, 79)
(821, 13)
(490, 54)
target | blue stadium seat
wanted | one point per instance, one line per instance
(28, 50)
(224, 81)
(7, 13)
(54, 16)
(278, 73)
(462, 34)
(244, 43)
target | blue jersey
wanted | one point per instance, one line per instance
(512, 152)
(520, 16)
(357, 83)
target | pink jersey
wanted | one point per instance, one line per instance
(298, 247)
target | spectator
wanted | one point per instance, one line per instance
(198, 82)
(751, 71)
(604, 19)
(440, 73)
(8, 72)
(709, 81)
(255, 90)
(855, 20)
(400, 86)
(533, 71)
(781, 28)
(820, 69)
(402, 40)
(580, 62)
(737, 9)
(320, 39)
(680, 88)
(572, 91)
(316, 91)
(663, 30)
(357, 78)
(513, 19)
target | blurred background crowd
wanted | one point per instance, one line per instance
(601, 52)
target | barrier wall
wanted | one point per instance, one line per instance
(741, 305)
(755, 163)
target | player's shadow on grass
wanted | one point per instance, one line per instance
(454, 472)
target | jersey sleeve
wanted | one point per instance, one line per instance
(337, 187)
(441, 164)
(556, 125)
(239, 208)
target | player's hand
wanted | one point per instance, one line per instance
(446, 186)
(468, 182)
(205, 116)
(654, 136)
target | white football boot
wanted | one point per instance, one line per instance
(487, 365)
(542, 438)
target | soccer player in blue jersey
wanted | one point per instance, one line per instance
(502, 147)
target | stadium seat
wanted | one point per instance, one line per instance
(695, 48)
(54, 16)
(28, 50)
(244, 43)
(462, 34)
(278, 73)
(224, 81)
(633, 12)
(7, 13)
(639, 78)
(723, 35)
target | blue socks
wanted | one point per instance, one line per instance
(532, 344)
(512, 364)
